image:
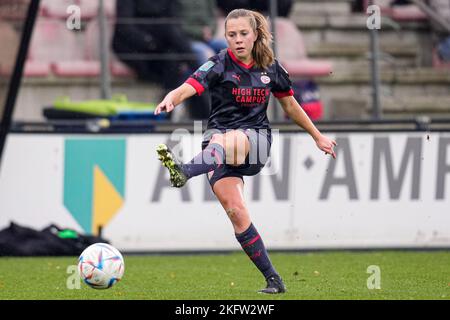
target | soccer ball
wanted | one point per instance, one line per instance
(101, 266)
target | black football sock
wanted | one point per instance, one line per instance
(208, 160)
(253, 246)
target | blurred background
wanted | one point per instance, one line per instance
(325, 44)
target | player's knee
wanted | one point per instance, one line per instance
(235, 211)
(217, 138)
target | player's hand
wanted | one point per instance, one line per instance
(327, 145)
(165, 106)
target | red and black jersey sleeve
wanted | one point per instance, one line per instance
(282, 87)
(207, 75)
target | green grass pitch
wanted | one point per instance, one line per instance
(317, 275)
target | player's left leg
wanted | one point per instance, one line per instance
(206, 161)
(229, 191)
(231, 148)
(167, 158)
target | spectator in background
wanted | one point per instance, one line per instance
(357, 6)
(138, 36)
(284, 6)
(442, 8)
(200, 24)
(226, 6)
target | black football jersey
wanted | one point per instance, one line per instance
(239, 92)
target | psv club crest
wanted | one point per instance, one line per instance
(264, 78)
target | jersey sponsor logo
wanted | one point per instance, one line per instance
(265, 79)
(206, 66)
(250, 96)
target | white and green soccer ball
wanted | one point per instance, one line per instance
(101, 266)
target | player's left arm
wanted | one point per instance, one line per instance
(298, 115)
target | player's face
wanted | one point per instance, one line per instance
(241, 38)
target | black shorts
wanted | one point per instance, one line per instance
(260, 143)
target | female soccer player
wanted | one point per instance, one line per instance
(238, 137)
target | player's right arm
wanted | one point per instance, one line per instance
(296, 113)
(175, 97)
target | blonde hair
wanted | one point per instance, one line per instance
(262, 50)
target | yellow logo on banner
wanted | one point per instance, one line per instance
(106, 199)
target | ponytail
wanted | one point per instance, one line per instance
(262, 49)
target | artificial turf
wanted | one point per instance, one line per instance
(318, 275)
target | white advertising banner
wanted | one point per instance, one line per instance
(383, 190)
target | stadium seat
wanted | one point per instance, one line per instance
(92, 50)
(78, 68)
(62, 48)
(384, 5)
(292, 52)
(56, 9)
(88, 8)
(110, 8)
(37, 69)
(406, 13)
(308, 67)
(8, 52)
